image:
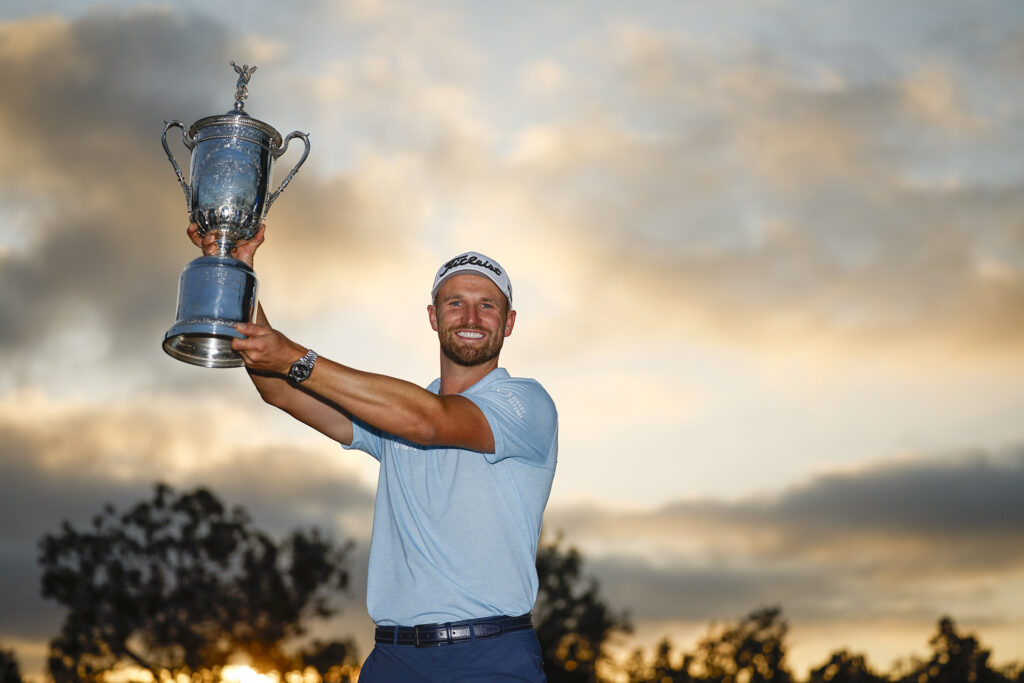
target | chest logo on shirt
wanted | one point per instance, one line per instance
(402, 444)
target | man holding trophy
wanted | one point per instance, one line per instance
(466, 466)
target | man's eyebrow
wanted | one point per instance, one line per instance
(487, 299)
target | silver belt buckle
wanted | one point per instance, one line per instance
(416, 635)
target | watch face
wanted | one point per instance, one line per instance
(303, 367)
(299, 371)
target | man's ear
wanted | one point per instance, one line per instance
(432, 314)
(510, 321)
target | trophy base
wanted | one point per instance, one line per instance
(205, 349)
(214, 293)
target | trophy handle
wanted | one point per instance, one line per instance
(190, 143)
(284, 148)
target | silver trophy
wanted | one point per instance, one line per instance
(228, 195)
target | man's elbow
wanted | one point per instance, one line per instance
(435, 426)
(276, 398)
(423, 430)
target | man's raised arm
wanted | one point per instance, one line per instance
(389, 404)
(301, 403)
(275, 389)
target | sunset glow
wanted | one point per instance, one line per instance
(245, 674)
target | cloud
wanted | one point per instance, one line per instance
(84, 101)
(105, 238)
(725, 192)
(893, 538)
(543, 77)
(731, 192)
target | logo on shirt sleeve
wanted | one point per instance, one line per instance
(517, 406)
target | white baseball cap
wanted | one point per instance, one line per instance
(477, 263)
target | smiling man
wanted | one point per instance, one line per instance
(466, 466)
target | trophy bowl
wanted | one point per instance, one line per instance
(228, 195)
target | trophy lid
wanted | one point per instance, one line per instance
(238, 116)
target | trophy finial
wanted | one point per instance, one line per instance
(244, 72)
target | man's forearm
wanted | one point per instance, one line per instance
(333, 393)
(390, 404)
(303, 405)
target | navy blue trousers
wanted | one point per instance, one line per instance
(509, 657)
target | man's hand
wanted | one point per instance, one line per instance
(244, 249)
(265, 348)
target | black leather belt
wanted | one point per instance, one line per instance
(432, 635)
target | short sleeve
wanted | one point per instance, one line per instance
(365, 438)
(523, 420)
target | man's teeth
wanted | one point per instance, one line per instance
(470, 335)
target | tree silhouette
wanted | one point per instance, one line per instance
(179, 583)
(661, 669)
(955, 659)
(336, 661)
(573, 622)
(844, 667)
(752, 650)
(10, 672)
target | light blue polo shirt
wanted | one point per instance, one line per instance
(455, 531)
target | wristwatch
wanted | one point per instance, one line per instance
(303, 367)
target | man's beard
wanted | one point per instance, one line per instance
(469, 356)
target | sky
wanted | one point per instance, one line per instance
(768, 259)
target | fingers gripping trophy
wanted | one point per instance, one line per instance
(228, 197)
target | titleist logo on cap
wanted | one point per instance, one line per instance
(468, 260)
(479, 264)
